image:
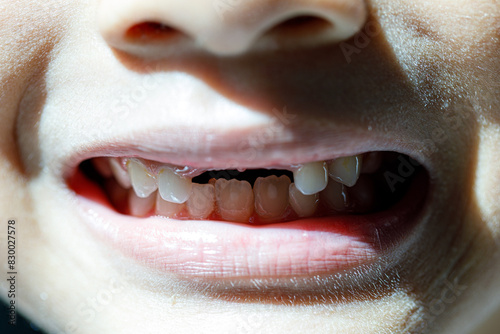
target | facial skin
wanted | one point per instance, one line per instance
(423, 81)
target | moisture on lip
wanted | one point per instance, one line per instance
(248, 196)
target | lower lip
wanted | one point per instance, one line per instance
(224, 250)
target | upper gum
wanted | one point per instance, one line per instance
(154, 167)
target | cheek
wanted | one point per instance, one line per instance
(445, 44)
(488, 179)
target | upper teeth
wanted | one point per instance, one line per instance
(311, 178)
(143, 182)
(173, 188)
(345, 170)
(235, 200)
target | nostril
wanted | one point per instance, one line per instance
(310, 29)
(157, 29)
(301, 26)
(150, 31)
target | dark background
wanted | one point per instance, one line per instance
(23, 326)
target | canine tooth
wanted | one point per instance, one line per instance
(311, 178)
(173, 188)
(303, 205)
(140, 206)
(143, 182)
(336, 197)
(167, 209)
(345, 170)
(271, 196)
(102, 166)
(235, 199)
(201, 202)
(121, 175)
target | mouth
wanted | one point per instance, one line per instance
(283, 220)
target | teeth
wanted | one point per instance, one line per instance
(140, 206)
(202, 201)
(174, 188)
(143, 182)
(271, 196)
(167, 209)
(303, 205)
(311, 178)
(121, 176)
(345, 170)
(235, 199)
(336, 197)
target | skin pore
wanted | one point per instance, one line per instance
(422, 81)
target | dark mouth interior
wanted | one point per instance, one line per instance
(389, 184)
(249, 175)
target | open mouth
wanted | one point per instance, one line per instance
(359, 184)
(305, 219)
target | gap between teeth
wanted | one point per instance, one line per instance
(171, 192)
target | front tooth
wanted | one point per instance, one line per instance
(143, 182)
(345, 170)
(271, 196)
(235, 199)
(303, 205)
(140, 206)
(167, 209)
(311, 178)
(173, 188)
(121, 175)
(201, 202)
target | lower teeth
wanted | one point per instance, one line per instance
(201, 203)
(254, 196)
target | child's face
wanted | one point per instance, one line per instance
(215, 88)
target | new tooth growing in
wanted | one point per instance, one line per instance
(312, 189)
(174, 188)
(143, 182)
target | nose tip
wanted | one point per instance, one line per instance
(155, 29)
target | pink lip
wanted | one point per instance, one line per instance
(222, 250)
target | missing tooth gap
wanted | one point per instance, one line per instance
(249, 175)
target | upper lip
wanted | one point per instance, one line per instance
(242, 148)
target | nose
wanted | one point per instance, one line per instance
(157, 28)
